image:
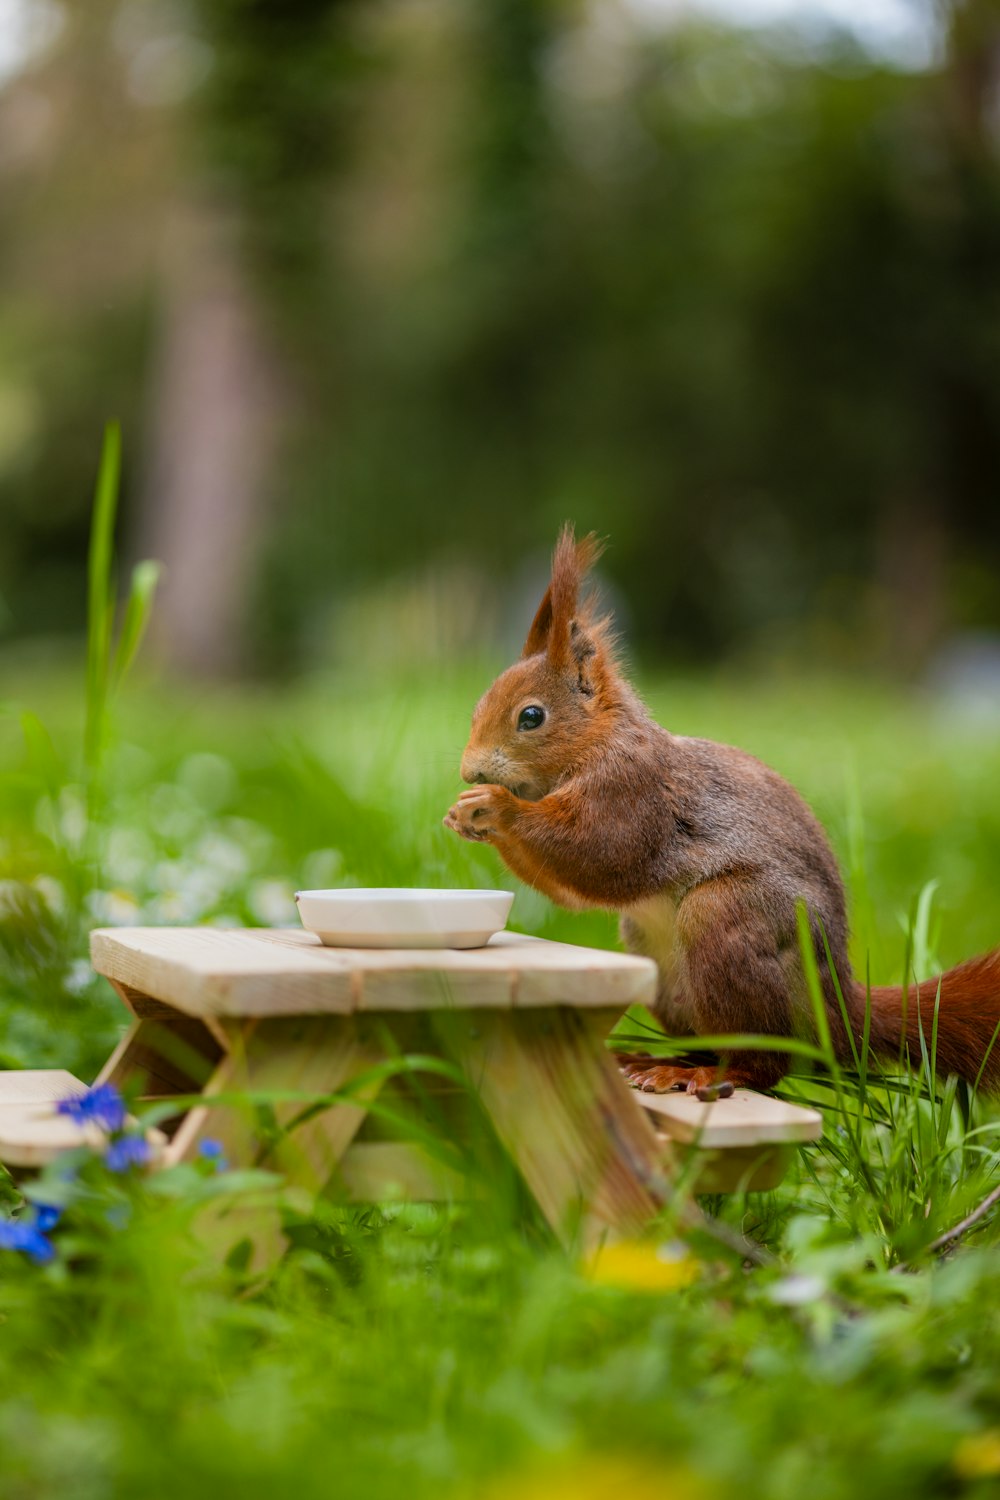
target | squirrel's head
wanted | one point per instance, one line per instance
(540, 718)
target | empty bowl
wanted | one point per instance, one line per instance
(404, 918)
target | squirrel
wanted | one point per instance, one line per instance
(703, 850)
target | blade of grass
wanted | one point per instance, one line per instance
(923, 955)
(728, 1042)
(857, 865)
(986, 1058)
(841, 1002)
(866, 1036)
(904, 1046)
(100, 591)
(814, 990)
(138, 608)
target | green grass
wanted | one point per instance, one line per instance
(459, 1351)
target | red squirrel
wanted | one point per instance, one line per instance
(703, 850)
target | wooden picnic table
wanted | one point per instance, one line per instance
(512, 1033)
(220, 1011)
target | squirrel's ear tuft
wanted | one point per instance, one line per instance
(583, 648)
(538, 635)
(551, 628)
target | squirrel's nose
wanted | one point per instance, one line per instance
(472, 770)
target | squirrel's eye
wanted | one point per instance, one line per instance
(531, 717)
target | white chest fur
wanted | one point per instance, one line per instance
(650, 927)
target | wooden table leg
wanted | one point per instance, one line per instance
(561, 1108)
(312, 1055)
(173, 1055)
(551, 1089)
(600, 1020)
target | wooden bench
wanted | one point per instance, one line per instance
(33, 1132)
(744, 1143)
(515, 1030)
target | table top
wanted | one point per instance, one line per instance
(221, 971)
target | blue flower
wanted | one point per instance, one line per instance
(47, 1216)
(214, 1152)
(18, 1234)
(127, 1151)
(102, 1105)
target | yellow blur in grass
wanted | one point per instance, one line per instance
(641, 1266)
(978, 1457)
(591, 1476)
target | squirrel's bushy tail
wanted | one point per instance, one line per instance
(968, 1013)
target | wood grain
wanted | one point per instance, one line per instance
(569, 1121)
(222, 972)
(32, 1132)
(157, 1058)
(744, 1119)
(305, 1054)
(311, 1055)
(38, 1086)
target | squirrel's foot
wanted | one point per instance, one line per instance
(664, 1078)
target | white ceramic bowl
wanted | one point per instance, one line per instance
(387, 918)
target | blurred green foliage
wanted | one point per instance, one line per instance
(455, 1350)
(732, 303)
(726, 296)
(738, 314)
(218, 806)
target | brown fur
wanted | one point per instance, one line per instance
(968, 1013)
(703, 850)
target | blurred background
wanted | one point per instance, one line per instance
(383, 292)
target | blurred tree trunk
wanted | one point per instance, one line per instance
(912, 571)
(972, 408)
(973, 75)
(215, 421)
(917, 532)
(271, 126)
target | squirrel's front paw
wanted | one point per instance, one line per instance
(480, 813)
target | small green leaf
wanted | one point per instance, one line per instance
(42, 756)
(139, 607)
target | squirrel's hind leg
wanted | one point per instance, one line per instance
(735, 972)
